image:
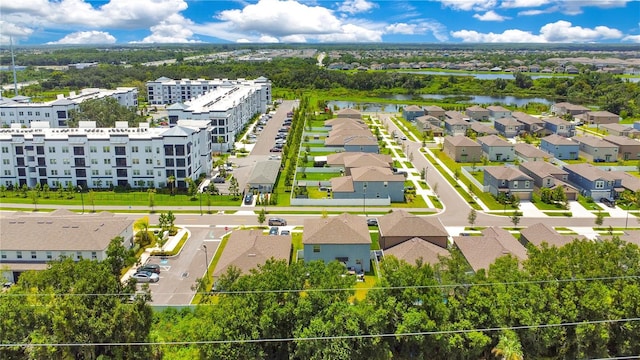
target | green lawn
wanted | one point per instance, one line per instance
(315, 176)
(589, 205)
(559, 213)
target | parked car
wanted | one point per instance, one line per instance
(372, 222)
(275, 157)
(146, 277)
(608, 202)
(154, 268)
(273, 230)
(285, 232)
(248, 199)
(218, 180)
(275, 149)
(277, 222)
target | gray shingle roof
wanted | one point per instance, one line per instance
(247, 249)
(482, 251)
(416, 248)
(341, 229)
(401, 223)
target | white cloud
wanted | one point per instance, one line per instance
(632, 38)
(523, 3)
(560, 31)
(563, 31)
(294, 39)
(352, 33)
(490, 16)
(86, 37)
(356, 6)
(532, 12)
(467, 5)
(12, 32)
(419, 28)
(508, 36)
(175, 29)
(267, 39)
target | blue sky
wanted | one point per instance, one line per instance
(309, 21)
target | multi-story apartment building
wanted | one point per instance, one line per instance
(103, 157)
(20, 110)
(228, 108)
(168, 91)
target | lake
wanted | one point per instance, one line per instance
(492, 76)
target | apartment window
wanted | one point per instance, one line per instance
(3, 255)
(54, 172)
(37, 113)
(79, 255)
(19, 254)
(599, 184)
(147, 149)
(47, 115)
(94, 255)
(134, 149)
(180, 162)
(19, 150)
(316, 248)
(7, 172)
(169, 162)
(49, 255)
(149, 161)
(93, 149)
(34, 255)
(108, 172)
(66, 161)
(136, 172)
(20, 113)
(95, 172)
(5, 161)
(94, 161)
(150, 172)
(5, 150)
(67, 173)
(65, 149)
(135, 161)
(107, 161)
(121, 150)
(52, 149)
(106, 149)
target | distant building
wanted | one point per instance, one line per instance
(560, 147)
(508, 180)
(411, 112)
(462, 149)
(597, 149)
(478, 113)
(564, 108)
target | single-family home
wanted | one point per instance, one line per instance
(563, 108)
(369, 182)
(532, 124)
(620, 130)
(417, 250)
(508, 127)
(592, 181)
(509, 180)
(435, 111)
(342, 121)
(344, 238)
(630, 236)
(361, 143)
(498, 112)
(528, 152)
(427, 128)
(477, 113)
(433, 120)
(462, 149)
(399, 226)
(628, 149)
(545, 175)
(454, 124)
(252, 248)
(540, 233)
(600, 117)
(28, 242)
(628, 182)
(481, 129)
(597, 149)
(556, 125)
(349, 160)
(263, 176)
(560, 147)
(496, 149)
(411, 112)
(349, 113)
(482, 251)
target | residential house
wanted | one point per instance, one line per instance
(498, 112)
(563, 108)
(349, 113)
(560, 147)
(462, 149)
(509, 180)
(496, 149)
(630, 236)
(532, 124)
(540, 233)
(597, 149)
(600, 117)
(482, 251)
(508, 127)
(411, 112)
(480, 129)
(250, 249)
(347, 123)
(359, 143)
(370, 182)
(454, 124)
(30, 241)
(344, 238)
(559, 126)
(417, 250)
(477, 113)
(621, 130)
(427, 119)
(592, 181)
(528, 152)
(400, 226)
(263, 176)
(435, 111)
(628, 149)
(545, 175)
(628, 182)
(349, 160)
(426, 127)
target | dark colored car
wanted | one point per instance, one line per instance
(285, 232)
(372, 222)
(277, 222)
(275, 149)
(154, 268)
(273, 231)
(218, 180)
(608, 202)
(248, 199)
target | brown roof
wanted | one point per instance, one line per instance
(401, 223)
(594, 141)
(508, 173)
(415, 249)
(542, 169)
(341, 120)
(342, 184)
(454, 117)
(482, 251)
(570, 106)
(529, 150)
(496, 108)
(556, 139)
(413, 108)
(538, 233)
(526, 118)
(483, 129)
(589, 171)
(354, 159)
(621, 140)
(375, 173)
(340, 136)
(360, 140)
(556, 121)
(342, 229)
(477, 108)
(461, 141)
(61, 230)
(601, 113)
(632, 236)
(628, 181)
(616, 127)
(433, 108)
(508, 121)
(247, 249)
(493, 140)
(348, 111)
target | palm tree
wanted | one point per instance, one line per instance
(171, 180)
(509, 347)
(141, 226)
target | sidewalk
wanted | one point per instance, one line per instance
(579, 211)
(529, 209)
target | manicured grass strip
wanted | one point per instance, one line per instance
(563, 213)
(436, 202)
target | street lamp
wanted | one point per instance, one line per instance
(206, 259)
(364, 200)
(81, 197)
(200, 203)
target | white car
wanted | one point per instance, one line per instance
(146, 277)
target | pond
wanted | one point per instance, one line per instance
(492, 76)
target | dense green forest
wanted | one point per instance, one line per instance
(295, 76)
(578, 301)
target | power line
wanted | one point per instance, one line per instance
(438, 286)
(335, 337)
